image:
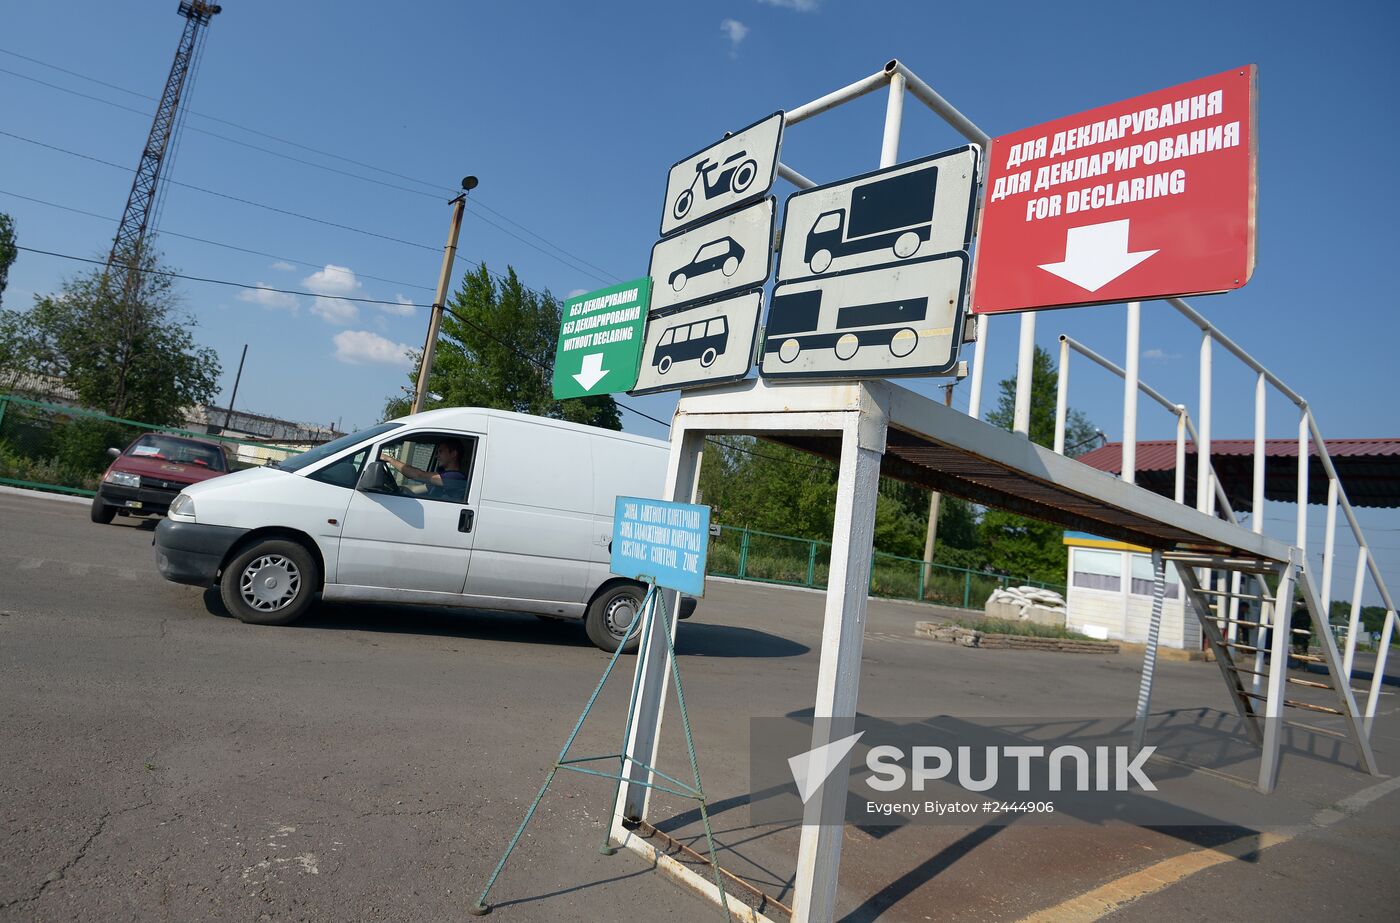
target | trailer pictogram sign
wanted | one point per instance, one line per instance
(1147, 198)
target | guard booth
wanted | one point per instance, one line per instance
(1109, 594)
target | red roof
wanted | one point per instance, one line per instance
(1369, 469)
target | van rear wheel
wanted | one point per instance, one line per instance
(612, 615)
(270, 582)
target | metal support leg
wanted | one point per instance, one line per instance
(1149, 657)
(819, 851)
(1280, 634)
(682, 475)
(1346, 702)
(1211, 630)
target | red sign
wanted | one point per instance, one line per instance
(1146, 198)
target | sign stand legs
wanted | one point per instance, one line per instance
(653, 602)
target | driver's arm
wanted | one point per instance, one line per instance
(408, 471)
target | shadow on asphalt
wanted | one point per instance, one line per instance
(694, 639)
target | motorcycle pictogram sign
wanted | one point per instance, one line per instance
(733, 172)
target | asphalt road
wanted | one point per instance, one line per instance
(163, 762)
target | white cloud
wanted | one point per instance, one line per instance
(283, 265)
(736, 32)
(335, 310)
(1158, 355)
(576, 292)
(360, 347)
(333, 280)
(330, 282)
(404, 307)
(801, 6)
(265, 296)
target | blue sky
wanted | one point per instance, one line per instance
(571, 113)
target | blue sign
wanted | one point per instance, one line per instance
(663, 543)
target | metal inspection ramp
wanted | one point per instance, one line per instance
(927, 443)
(873, 429)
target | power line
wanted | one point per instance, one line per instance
(243, 285)
(225, 195)
(257, 288)
(215, 243)
(574, 258)
(271, 208)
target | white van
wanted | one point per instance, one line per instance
(371, 517)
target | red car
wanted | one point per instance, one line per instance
(145, 479)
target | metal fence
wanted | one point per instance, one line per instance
(60, 448)
(766, 557)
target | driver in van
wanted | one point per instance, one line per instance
(448, 481)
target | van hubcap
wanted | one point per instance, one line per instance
(269, 582)
(622, 612)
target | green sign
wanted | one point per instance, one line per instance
(600, 340)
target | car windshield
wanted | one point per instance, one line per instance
(178, 451)
(312, 456)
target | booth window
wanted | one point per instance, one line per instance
(1142, 578)
(1098, 570)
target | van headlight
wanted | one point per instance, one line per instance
(123, 479)
(183, 507)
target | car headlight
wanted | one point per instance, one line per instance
(183, 506)
(123, 479)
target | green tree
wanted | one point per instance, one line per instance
(131, 356)
(1015, 544)
(7, 251)
(496, 349)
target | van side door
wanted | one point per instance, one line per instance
(402, 533)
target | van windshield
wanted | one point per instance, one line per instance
(312, 456)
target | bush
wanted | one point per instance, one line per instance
(44, 470)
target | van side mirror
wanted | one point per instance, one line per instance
(373, 479)
(115, 453)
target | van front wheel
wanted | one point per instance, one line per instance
(270, 582)
(612, 615)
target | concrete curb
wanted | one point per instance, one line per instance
(44, 495)
(971, 637)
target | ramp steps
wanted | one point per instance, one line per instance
(1257, 680)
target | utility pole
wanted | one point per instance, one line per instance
(236, 379)
(449, 256)
(934, 499)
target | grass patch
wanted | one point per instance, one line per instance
(1021, 629)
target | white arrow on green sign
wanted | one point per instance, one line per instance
(600, 340)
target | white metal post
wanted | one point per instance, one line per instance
(1278, 673)
(1302, 533)
(682, 478)
(1257, 512)
(1356, 587)
(1329, 544)
(1130, 393)
(1149, 655)
(838, 676)
(1025, 364)
(1179, 493)
(979, 366)
(894, 116)
(1378, 672)
(1203, 469)
(1062, 397)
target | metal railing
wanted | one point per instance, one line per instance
(1210, 494)
(788, 560)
